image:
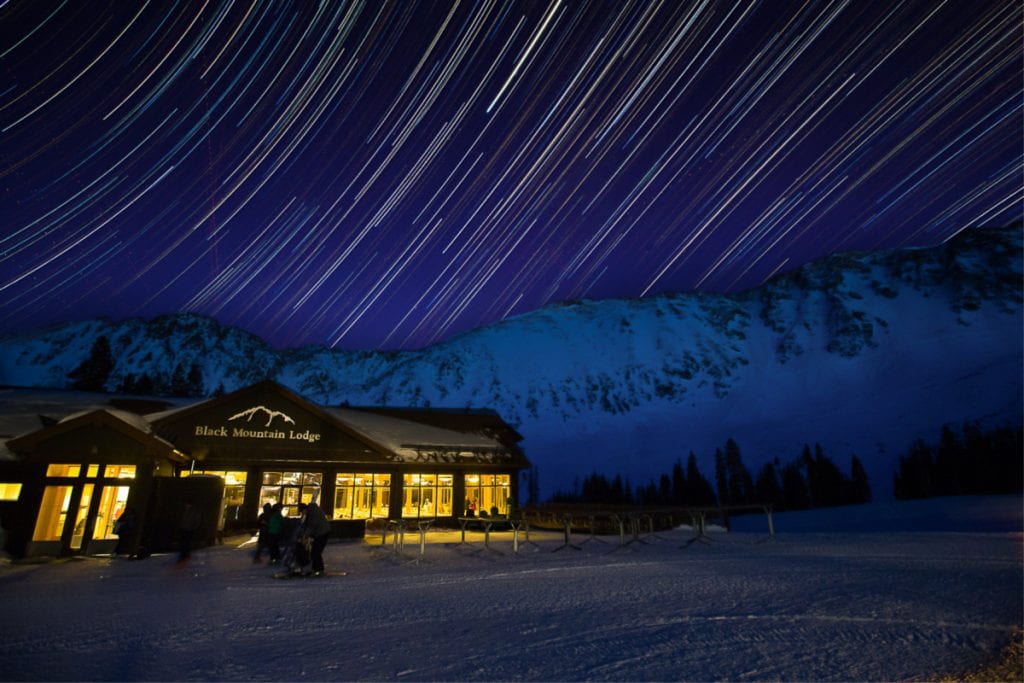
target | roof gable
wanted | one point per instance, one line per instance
(267, 412)
(119, 422)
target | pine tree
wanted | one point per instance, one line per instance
(664, 490)
(179, 384)
(767, 490)
(740, 482)
(92, 374)
(860, 486)
(949, 462)
(700, 492)
(722, 478)
(679, 492)
(195, 381)
(915, 475)
(794, 488)
(830, 486)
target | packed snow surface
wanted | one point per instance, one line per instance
(852, 594)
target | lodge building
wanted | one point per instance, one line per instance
(69, 481)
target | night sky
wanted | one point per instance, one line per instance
(385, 175)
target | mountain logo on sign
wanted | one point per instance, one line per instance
(271, 414)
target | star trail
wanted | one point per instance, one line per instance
(385, 175)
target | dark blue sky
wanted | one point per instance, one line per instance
(389, 174)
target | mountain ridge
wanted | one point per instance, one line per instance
(885, 343)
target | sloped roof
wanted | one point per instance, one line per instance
(131, 425)
(413, 441)
(470, 421)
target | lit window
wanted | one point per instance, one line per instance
(427, 495)
(93, 471)
(290, 489)
(10, 491)
(234, 491)
(362, 496)
(62, 470)
(120, 472)
(488, 493)
(53, 513)
(78, 534)
(112, 504)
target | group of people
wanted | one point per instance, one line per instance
(310, 539)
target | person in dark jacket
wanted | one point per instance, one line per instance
(275, 531)
(124, 527)
(315, 526)
(189, 525)
(262, 540)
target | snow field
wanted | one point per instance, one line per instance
(871, 605)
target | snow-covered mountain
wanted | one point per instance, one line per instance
(861, 353)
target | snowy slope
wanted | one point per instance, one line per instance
(872, 605)
(861, 353)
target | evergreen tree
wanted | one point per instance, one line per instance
(128, 385)
(914, 478)
(767, 489)
(860, 486)
(740, 482)
(145, 386)
(679, 492)
(93, 372)
(179, 383)
(617, 493)
(794, 488)
(829, 487)
(664, 490)
(949, 461)
(722, 478)
(532, 487)
(195, 381)
(699, 488)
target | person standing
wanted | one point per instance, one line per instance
(315, 525)
(275, 530)
(188, 527)
(262, 538)
(124, 527)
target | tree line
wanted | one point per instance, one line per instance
(93, 374)
(968, 461)
(810, 480)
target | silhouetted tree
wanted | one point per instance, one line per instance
(794, 488)
(860, 485)
(700, 492)
(195, 381)
(722, 478)
(740, 483)
(767, 489)
(679, 492)
(914, 477)
(93, 372)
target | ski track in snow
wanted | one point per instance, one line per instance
(807, 607)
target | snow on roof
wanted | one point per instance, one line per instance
(412, 440)
(135, 421)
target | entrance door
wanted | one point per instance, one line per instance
(78, 518)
